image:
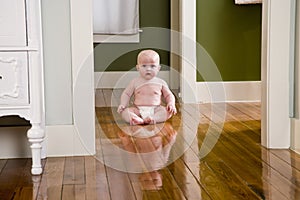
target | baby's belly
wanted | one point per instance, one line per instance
(147, 100)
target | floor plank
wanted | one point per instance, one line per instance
(10, 177)
(119, 183)
(74, 172)
(186, 180)
(52, 179)
(2, 164)
(206, 151)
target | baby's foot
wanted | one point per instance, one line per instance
(149, 120)
(135, 120)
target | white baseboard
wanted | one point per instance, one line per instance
(120, 79)
(63, 140)
(102, 38)
(297, 151)
(60, 140)
(238, 91)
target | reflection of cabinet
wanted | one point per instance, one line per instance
(21, 69)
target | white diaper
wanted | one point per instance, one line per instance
(146, 111)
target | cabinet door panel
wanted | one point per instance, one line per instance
(12, 23)
(13, 78)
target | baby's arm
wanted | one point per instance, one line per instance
(125, 97)
(169, 98)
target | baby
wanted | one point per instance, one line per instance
(147, 90)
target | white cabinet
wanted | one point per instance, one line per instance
(12, 23)
(21, 69)
(13, 78)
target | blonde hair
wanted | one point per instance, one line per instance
(148, 54)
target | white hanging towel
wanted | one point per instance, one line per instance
(116, 16)
(247, 1)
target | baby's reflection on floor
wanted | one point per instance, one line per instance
(149, 147)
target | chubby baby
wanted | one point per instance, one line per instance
(148, 91)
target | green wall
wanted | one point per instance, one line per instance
(154, 14)
(231, 35)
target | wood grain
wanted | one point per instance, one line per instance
(212, 156)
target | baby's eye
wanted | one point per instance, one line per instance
(151, 66)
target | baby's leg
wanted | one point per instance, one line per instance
(161, 114)
(130, 115)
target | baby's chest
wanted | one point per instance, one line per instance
(149, 90)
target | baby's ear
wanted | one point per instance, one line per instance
(137, 67)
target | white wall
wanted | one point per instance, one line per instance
(57, 61)
(295, 123)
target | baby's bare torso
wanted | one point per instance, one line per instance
(148, 94)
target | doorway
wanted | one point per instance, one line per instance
(276, 32)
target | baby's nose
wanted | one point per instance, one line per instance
(149, 67)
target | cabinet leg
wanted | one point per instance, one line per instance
(36, 136)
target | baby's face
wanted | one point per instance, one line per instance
(148, 67)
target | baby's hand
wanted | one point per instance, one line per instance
(171, 109)
(120, 108)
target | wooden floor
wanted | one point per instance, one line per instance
(198, 154)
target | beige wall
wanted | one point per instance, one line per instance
(295, 123)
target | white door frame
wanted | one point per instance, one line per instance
(276, 31)
(188, 88)
(277, 28)
(83, 75)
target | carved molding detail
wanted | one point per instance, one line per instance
(9, 69)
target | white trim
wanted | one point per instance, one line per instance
(234, 91)
(240, 2)
(241, 91)
(175, 45)
(120, 79)
(188, 61)
(64, 140)
(296, 151)
(60, 140)
(82, 72)
(295, 122)
(174, 79)
(276, 31)
(295, 135)
(102, 38)
(275, 62)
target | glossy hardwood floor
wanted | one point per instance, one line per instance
(204, 152)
